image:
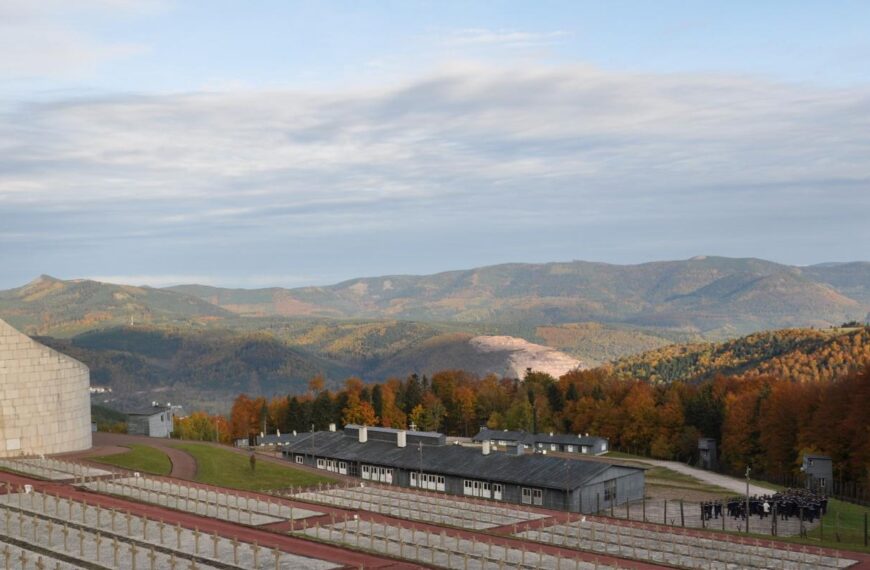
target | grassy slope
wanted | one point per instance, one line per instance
(139, 458)
(225, 468)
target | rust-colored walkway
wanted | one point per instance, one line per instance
(183, 464)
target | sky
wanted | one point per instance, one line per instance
(291, 143)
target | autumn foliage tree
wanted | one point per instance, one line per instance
(765, 421)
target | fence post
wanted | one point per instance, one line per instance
(665, 515)
(644, 508)
(682, 516)
(865, 529)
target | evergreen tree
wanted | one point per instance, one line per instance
(378, 400)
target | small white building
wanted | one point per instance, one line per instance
(154, 421)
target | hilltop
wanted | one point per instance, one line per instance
(63, 308)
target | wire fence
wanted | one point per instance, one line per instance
(839, 524)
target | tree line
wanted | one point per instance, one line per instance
(764, 421)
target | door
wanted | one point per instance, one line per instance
(496, 491)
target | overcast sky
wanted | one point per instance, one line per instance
(292, 143)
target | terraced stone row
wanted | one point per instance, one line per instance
(442, 550)
(201, 501)
(117, 539)
(676, 549)
(420, 507)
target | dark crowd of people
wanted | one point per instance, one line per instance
(785, 505)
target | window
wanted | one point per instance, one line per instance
(428, 481)
(570, 449)
(342, 467)
(474, 488)
(321, 463)
(300, 459)
(381, 474)
(533, 496)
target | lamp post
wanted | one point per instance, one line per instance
(748, 471)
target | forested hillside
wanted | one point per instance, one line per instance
(801, 355)
(136, 360)
(48, 306)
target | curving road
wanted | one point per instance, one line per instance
(738, 486)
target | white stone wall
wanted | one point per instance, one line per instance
(45, 404)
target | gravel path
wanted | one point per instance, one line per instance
(738, 486)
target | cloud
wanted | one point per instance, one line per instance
(37, 39)
(482, 37)
(602, 157)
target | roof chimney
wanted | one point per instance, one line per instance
(401, 438)
(485, 448)
(551, 434)
(331, 427)
(363, 434)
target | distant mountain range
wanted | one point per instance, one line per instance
(211, 340)
(710, 295)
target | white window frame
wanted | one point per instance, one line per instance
(527, 496)
(570, 449)
(321, 463)
(538, 497)
(300, 459)
(498, 491)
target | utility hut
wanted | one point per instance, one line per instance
(423, 460)
(707, 453)
(819, 472)
(154, 421)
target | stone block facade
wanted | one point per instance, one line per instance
(45, 404)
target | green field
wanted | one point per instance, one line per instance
(226, 468)
(842, 527)
(139, 458)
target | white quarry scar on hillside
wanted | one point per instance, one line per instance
(524, 354)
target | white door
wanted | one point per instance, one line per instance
(496, 491)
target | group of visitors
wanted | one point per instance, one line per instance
(785, 504)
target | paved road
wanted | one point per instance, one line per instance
(738, 486)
